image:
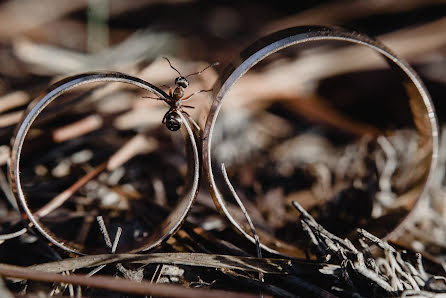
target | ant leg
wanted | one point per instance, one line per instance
(152, 97)
(157, 98)
(170, 89)
(197, 127)
(185, 106)
(196, 92)
(164, 118)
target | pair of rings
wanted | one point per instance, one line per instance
(419, 100)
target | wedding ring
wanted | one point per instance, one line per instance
(419, 100)
(176, 217)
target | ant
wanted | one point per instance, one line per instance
(175, 98)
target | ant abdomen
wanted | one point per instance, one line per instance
(173, 121)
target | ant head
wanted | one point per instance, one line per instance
(181, 82)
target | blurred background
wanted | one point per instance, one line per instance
(302, 125)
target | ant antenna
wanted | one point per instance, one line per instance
(209, 66)
(172, 66)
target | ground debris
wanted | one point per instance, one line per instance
(102, 170)
(388, 272)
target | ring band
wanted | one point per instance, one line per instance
(175, 219)
(420, 102)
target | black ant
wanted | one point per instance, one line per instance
(175, 100)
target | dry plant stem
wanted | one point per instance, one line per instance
(47, 59)
(344, 11)
(4, 154)
(274, 290)
(96, 270)
(4, 185)
(136, 145)
(376, 240)
(59, 288)
(115, 284)
(116, 241)
(13, 235)
(104, 232)
(309, 220)
(13, 100)
(78, 128)
(10, 118)
(139, 144)
(18, 13)
(155, 273)
(391, 164)
(58, 200)
(245, 212)
(249, 264)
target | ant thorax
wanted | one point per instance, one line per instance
(178, 93)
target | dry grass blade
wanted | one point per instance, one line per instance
(4, 154)
(248, 219)
(78, 128)
(264, 265)
(139, 144)
(13, 100)
(13, 235)
(104, 231)
(10, 118)
(114, 284)
(18, 13)
(245, 212)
